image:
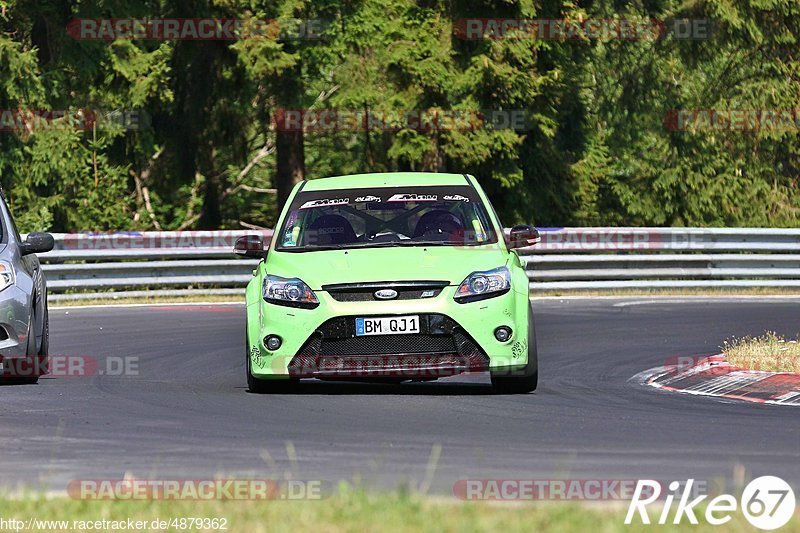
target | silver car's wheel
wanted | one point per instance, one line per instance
(44, 346)
(32, 357)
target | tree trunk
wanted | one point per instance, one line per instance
(291, 163)
(289, 145)
(211, 217)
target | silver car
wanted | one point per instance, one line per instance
(24, 326)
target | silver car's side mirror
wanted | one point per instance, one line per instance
(37, 243)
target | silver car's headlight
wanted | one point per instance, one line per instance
(483, 285)
(7, 277)
(292, 292)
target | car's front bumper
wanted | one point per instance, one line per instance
(453, 338)
(441, 348)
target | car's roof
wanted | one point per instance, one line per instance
(385, 179)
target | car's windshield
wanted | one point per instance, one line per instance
(386, 216)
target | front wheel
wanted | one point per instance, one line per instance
(258, 386)
(528, 378)
(44, 347)
(516, 385)
(35, 356)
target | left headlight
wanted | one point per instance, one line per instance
(6, 275)
(292, 292)
(483, 285)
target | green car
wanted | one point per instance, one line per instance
(389, 277)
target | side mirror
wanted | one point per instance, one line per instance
(37, 243)
(249, 246)
(523, 236)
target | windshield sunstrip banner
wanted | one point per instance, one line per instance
(448, 194)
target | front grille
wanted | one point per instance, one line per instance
(365, 292)
(442, 348)
(398, 367)
(389, 344)
(369, 295)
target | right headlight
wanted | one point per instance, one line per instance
(292, 292)
(6, 275)
(483, 285)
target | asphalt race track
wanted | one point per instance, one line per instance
(187, 415)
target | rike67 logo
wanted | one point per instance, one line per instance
(767, 502)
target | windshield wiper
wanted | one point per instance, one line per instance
(408, 242)
(319, 248)
(405, 242)
(343, 246)
(368, 244)
(432, 243)
(381, 244)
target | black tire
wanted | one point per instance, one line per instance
(255, 385)
(529, 378)
(31, 352)
(263, 386)
(44, 347)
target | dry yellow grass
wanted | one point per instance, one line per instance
(769, 352)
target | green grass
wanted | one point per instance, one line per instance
(769, 352)
(357, 511)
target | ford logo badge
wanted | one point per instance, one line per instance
(386, 294)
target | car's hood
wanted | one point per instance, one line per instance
(434, 263)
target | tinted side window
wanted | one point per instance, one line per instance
(2, 220)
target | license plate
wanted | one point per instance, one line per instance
(387, 326)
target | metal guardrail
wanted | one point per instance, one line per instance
(567, 259)
(641, 258)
